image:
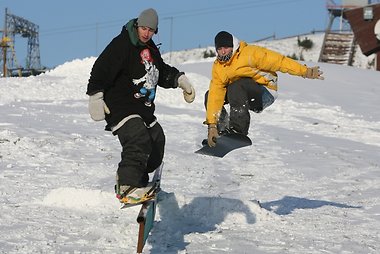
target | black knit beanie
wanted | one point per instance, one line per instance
(223, 39)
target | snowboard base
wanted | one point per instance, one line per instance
(225, 144)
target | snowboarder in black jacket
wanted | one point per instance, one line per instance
(122, 89)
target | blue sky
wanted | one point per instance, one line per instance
(82, 28)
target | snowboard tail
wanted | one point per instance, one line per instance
(225, 144)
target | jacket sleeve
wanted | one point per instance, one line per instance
(107, 66)
(168, 75)
(216, 96)
(272, 61)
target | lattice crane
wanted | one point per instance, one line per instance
(17, 25)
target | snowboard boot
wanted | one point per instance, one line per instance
(122, 190)
(130, 194)
(230, 130)
(223, 121)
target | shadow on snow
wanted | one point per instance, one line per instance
(201, 215)
(204, 214)
(288, 204)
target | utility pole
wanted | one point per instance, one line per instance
(96, 39)
(171, 39)
(4, 44)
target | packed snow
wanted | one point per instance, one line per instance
(314, 166)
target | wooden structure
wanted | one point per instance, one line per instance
(363, 21)
(338, 47)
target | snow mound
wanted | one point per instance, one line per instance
(77, 67)
(80, 199)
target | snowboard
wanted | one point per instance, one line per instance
(150, 194)
(225, 144)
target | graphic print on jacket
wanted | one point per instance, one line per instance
(148, 82)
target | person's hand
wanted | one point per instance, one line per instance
(314, 73)
(97, 107)
(188, 89)
(212, 135)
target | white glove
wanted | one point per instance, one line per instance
(188, 89)
(97, 107)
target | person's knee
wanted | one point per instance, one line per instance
(158, 147)
(157, 134)
(242, 82)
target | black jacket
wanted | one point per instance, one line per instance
(128, 72)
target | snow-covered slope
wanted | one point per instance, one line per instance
(314, 166)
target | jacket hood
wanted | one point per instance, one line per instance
(132, 32)
(236, 44)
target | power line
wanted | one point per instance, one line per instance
(170, 16)
(80, 28)
(229, 7)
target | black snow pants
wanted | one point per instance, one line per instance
(243, 95)
(142, 152)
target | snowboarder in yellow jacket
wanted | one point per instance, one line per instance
(245, 77)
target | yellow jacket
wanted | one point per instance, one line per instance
(252, 61)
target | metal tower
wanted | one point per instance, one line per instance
(17, 25)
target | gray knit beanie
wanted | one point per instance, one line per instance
(148, 18)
